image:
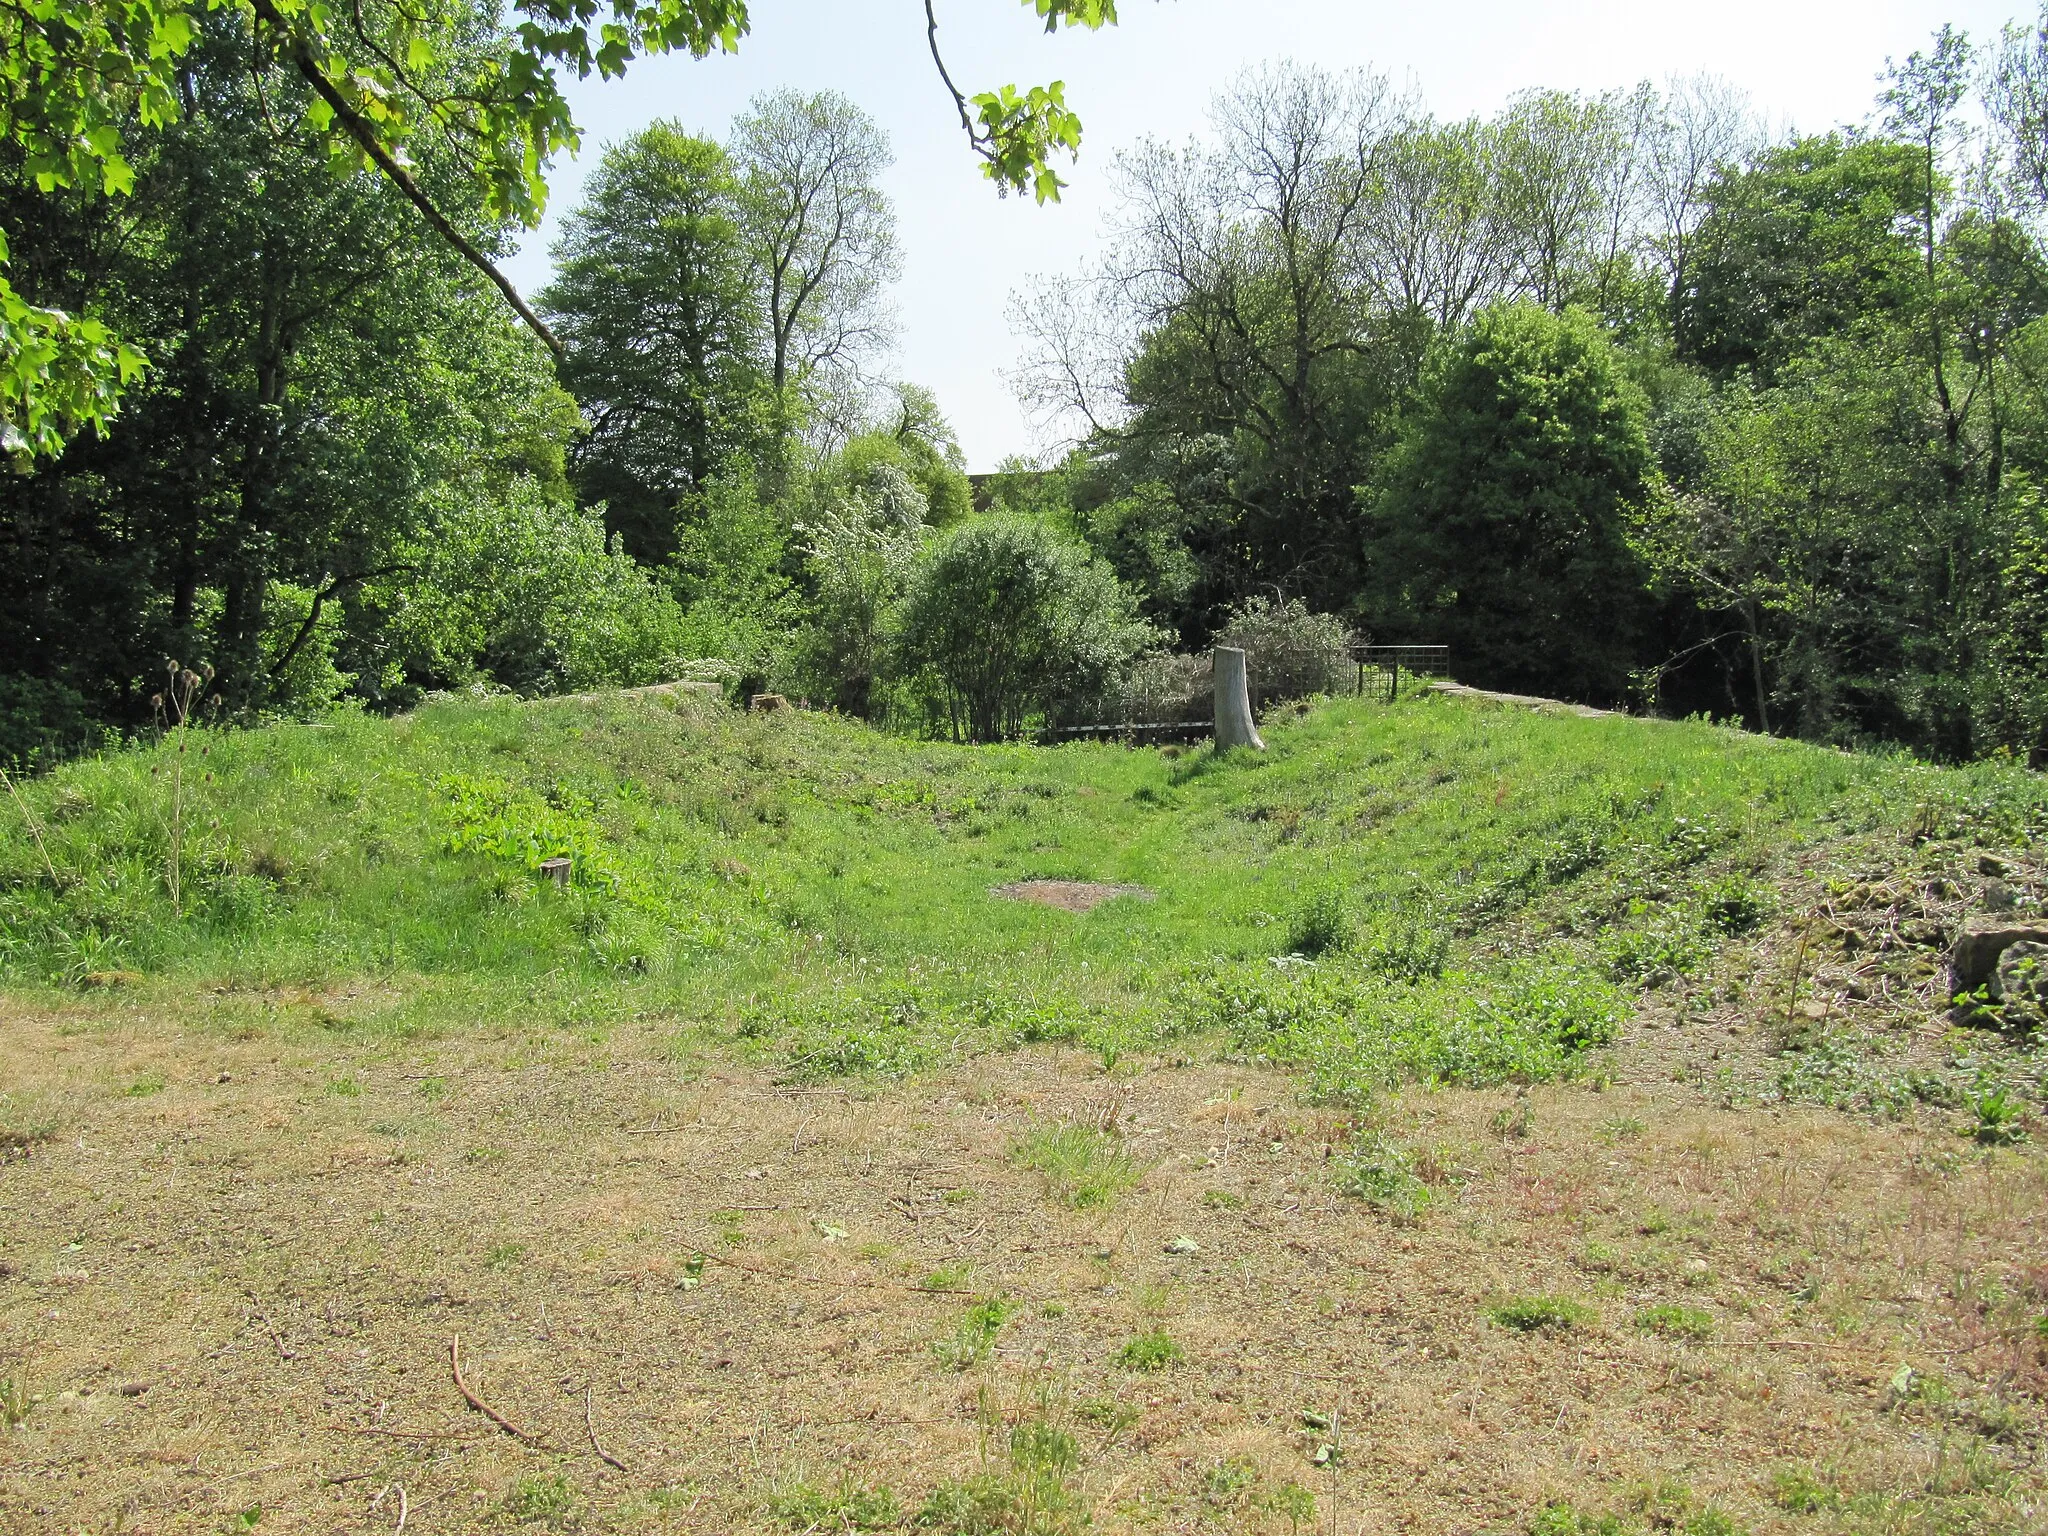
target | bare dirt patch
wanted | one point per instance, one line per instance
(238, 1291)
(1070, 895)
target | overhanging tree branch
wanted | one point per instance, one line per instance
(365, 135)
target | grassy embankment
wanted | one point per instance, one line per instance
(729, 1171)
(1479, 887)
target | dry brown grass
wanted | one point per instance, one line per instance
(237, 1290)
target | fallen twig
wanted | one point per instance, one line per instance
(404, 1505)
(400, 1434)
(590, 1424)
(482, 1407)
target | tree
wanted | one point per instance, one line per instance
(1502, 528)
(905, 431)
(1806, 240)
(1005, 618)
(819, 229)
(1239, 272)
(1705, 128)
(859, 555)
(385, 80)
(663, 331)
(322, 362)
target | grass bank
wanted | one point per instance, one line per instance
(1438, 890)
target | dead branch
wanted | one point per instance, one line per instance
(482, 1407)
(590, 1424)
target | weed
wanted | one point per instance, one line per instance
(1802, 1491)
(1109, 1416)
(2000, 1118)
(1295, 1504)
(505, 1255)
(1511, 1121)
(1561, 1519)
(1035, 1494)
(144, 1085)
(14, 1399)
(1408, 951)
(1153, 1351)
(1675, 1322)
(976, 1332)
(1321, 925)
(803, 1507)
(1735, 905)
(1083, 1168)
(344, 1088)
(1221, 1200)
(537, 1500)
(1225, 1483)
(1381, 1172)
(948, 1277)
(1541, 1314)
(1656, 955)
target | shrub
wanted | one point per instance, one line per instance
(1321, 925)
(521, 591)
(859, 554)
(1166, 686)
(1289, 651)
(1006, 618)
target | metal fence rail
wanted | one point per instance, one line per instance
(1383, 666)
(1379, 669)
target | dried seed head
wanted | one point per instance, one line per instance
(189, 679)
(207, 669)
(156, 701)
(171, 667)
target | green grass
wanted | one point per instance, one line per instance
(818, 894)
(1541, 1314)
(1083, 1169)
(1153, 1351)
(1688, 1324)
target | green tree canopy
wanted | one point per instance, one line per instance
(664, 334)
(389, 85)
(1807, 240)
(1503, 526)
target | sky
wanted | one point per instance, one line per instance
(1808, 64)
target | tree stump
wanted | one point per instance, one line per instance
(556, 870)
(1234, 724)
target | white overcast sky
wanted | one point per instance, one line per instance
(1806, 63)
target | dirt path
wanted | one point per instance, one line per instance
(1524, 700)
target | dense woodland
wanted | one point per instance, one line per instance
(1620, 396)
